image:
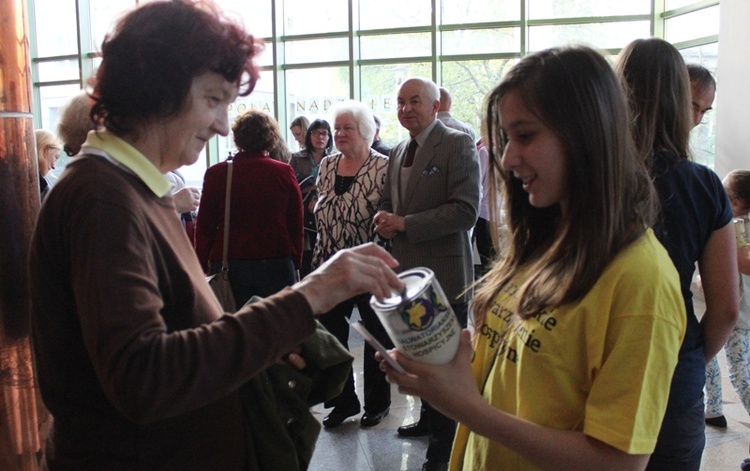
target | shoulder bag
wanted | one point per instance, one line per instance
(219, 282)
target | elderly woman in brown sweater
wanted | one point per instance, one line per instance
(136, 360)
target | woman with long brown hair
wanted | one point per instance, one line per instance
(694, 225)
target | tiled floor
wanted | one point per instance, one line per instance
(354, 448)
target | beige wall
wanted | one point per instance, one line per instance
(733, 98)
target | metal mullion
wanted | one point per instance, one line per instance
(524, 27)
(400, 60)
(54, 83)
(79, 35)
(65, 57)
(390, 31)
(279, 56)
(697, 42)
(437, 42)
(307, 37)
(85, 46)
(36, 96)
(690, 8)
(355, 87)
(487, 25)
(588, 20)
(481, 57)
(657, 20)
(313, 65)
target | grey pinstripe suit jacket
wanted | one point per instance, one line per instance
(440, 205)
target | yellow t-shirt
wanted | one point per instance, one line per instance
(601, 365)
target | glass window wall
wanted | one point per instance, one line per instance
(389, 14)
(465, 46)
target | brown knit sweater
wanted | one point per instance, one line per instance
(136, 361)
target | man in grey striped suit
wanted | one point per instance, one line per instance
(429, 205)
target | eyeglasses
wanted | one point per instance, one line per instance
(317, 133)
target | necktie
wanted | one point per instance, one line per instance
(410, 153)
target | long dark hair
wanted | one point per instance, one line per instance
(574, 92)
(655, 80)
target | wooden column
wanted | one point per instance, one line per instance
(19, 205)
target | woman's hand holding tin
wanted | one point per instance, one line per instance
(366, 268)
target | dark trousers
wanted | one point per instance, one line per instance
(483, 237)
(681, 441)
(441, 429)
(377, 389)
(310, 236)
(258, 277)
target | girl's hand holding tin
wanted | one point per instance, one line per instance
(451, 388)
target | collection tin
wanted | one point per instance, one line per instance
(422, 324)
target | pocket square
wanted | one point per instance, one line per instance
(431, 170)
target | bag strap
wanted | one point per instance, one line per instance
(227, 201)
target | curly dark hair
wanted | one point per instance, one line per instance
(256, 131)
(153, 54)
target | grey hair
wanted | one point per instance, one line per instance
(429, 88)
(361, 114)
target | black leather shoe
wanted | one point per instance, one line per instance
(719, 421)
(431, 465)
(337, 416)
(417, 429)
(369, 419)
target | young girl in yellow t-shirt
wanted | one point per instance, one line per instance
(578, 324)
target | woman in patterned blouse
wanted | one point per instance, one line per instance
(349, 186)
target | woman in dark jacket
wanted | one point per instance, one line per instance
(318, 143)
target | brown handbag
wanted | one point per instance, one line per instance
(219, 282)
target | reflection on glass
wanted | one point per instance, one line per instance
(104, 13)
(194, 173)
(311, 92)
(707, 56)
(703, 136)
(52, 98)
(58, 70)
(265, 58)
(469, 82)
(306, 17)
(56, 27)
(547, 9)
(480, 11)
(382, 14)
(316, 50)
(392, 45)
(481, 41)
(380, 85)
(697, 24)
(260, 99)
(674, 4)
(599, 35)
(255, 14)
